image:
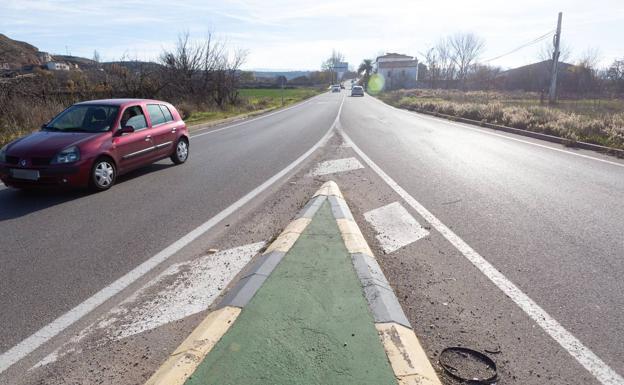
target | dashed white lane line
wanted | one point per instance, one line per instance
(337, 165)
(587, 358)
(184, 289)
(395, 227)
(54, 328)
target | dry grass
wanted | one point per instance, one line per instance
(589, 121)
(20, 116)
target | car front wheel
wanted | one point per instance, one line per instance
(103, 174)
(181, 152)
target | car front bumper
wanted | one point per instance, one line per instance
(74, 175)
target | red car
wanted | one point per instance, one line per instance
(91, 143)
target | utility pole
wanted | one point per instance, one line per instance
(552, 95)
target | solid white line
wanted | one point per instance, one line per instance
(254, 119)
(466, 126)
(605, 374)
(51, 330)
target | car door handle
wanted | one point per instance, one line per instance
(174, 129)
(148, 138)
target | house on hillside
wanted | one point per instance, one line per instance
(57, 66)
(398, 71)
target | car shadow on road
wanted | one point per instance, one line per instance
(16, 203)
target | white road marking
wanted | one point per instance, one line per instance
(51, 330)
(441, 120)
(395, 227)
(186, 288)
(246, 121)
(587, 358)
(337, 165)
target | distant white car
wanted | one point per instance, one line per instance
(357, 91)
(335, 88)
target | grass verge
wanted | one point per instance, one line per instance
(593, 121)
(253, 101)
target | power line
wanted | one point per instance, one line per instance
(527, 44)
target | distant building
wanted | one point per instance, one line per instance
(5, 66)
(341, 69)
(44, 57)
(534, 77)
(57, 66)
(398, 71)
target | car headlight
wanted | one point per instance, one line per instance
(68, 155)
(3, 153)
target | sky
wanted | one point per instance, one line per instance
(299, 35)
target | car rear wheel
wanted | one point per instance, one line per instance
(103, 174)
(181, 152)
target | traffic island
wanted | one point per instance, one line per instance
(315, 308)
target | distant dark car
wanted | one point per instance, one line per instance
(357, 91)
(342, 86)
(91, 143)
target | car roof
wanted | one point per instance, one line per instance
(119, 102)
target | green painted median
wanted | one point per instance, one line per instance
(308, 324)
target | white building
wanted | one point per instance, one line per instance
(398, 71)
(56, 66)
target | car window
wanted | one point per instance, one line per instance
(167, 113)
(134, 116)
(85, 118)
(156, 115)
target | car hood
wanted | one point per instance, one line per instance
(47, 143)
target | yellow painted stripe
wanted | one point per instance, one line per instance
(329, 188)
(407, 357)
(183, 362)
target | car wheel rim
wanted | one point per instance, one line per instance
(104, 173)
(182, 150)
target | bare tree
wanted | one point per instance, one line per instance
(331, 62)
(615, 75)
(465, 48)
(432, 64)
(546, 52)
(446, 61)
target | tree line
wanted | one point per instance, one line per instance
(455, 62)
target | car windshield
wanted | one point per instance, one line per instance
(84, 118)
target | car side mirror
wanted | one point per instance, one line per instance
(125, 130)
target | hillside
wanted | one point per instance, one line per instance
(17, 53)
(80, 61)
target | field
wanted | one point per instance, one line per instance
(598, 121)
(253, 100)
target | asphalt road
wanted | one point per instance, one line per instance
(550, 221)
(58, 249)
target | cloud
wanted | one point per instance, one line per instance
(300, 34)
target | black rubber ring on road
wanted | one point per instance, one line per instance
(448, 369)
